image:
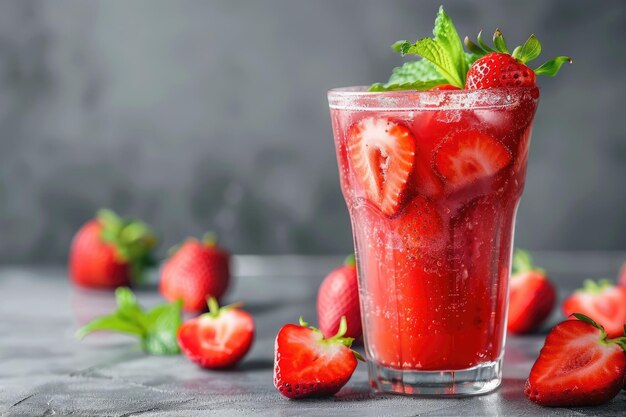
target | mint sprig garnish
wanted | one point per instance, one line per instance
(443, 60)
(155, 328)
(525, 53)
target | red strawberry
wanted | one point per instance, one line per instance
(498, 70)
(196, 271)
(444, 87)
(577, 366)
(219, 338)
(109, 252)
(337, 297)
(531, 295)
(603, 302)
(382, 154)
(621, 280)
(419, 226)
(466, 156)
(308, 365)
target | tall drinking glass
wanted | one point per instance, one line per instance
(432, 181)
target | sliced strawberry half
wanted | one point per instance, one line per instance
(603, 302)
(219, 338)
(308, 365)
(382, 154)
(467, 156)
(577, 366)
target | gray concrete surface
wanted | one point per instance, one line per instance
(45, 371)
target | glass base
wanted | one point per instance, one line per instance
(478, 380)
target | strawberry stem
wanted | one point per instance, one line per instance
(214, 307)
(350, 261)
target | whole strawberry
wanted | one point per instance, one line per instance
(219, 338)
(109, 252)
(195, 271)
(308, 365)
(496, 68)
(531, 295)
(578, 366)
(337, 297)
(602, 302)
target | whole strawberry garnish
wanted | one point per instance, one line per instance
(196, 271)
(382, 153)
(498, 68)
(578, 366)
(219, 338)
(531, 295)
(603, 302)
(338, 297)
(308, 365)
(109, 252)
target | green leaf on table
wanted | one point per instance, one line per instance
(156, 328)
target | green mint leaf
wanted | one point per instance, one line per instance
(431, 50)
(162, 323)
(415, 85)
(412, 71)
(552, 67)
(448, 38)
(112, 323)
(530, 50)
(499, 43)
(401, 47)
(156, 328)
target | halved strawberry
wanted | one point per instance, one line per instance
(382, 154)
(467, 156)
(219, 338)
(603, 302)
(531, 295)
(577, 366)
(308, 365)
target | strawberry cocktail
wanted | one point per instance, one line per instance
(432, 180)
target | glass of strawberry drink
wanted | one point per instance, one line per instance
(432, 166)
(432, 181)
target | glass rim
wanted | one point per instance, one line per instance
(358, 98)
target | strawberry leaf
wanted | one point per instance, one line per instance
(482, 44)
(529, 51)
(553, 66)
(499, 42)
(589, 320)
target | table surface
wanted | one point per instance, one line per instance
(44, 370)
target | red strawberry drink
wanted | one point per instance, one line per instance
(432, 181)
(432, 167)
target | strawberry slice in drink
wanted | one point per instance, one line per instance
(467, 156)
(382, 154)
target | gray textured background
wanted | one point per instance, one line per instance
(202, 115)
